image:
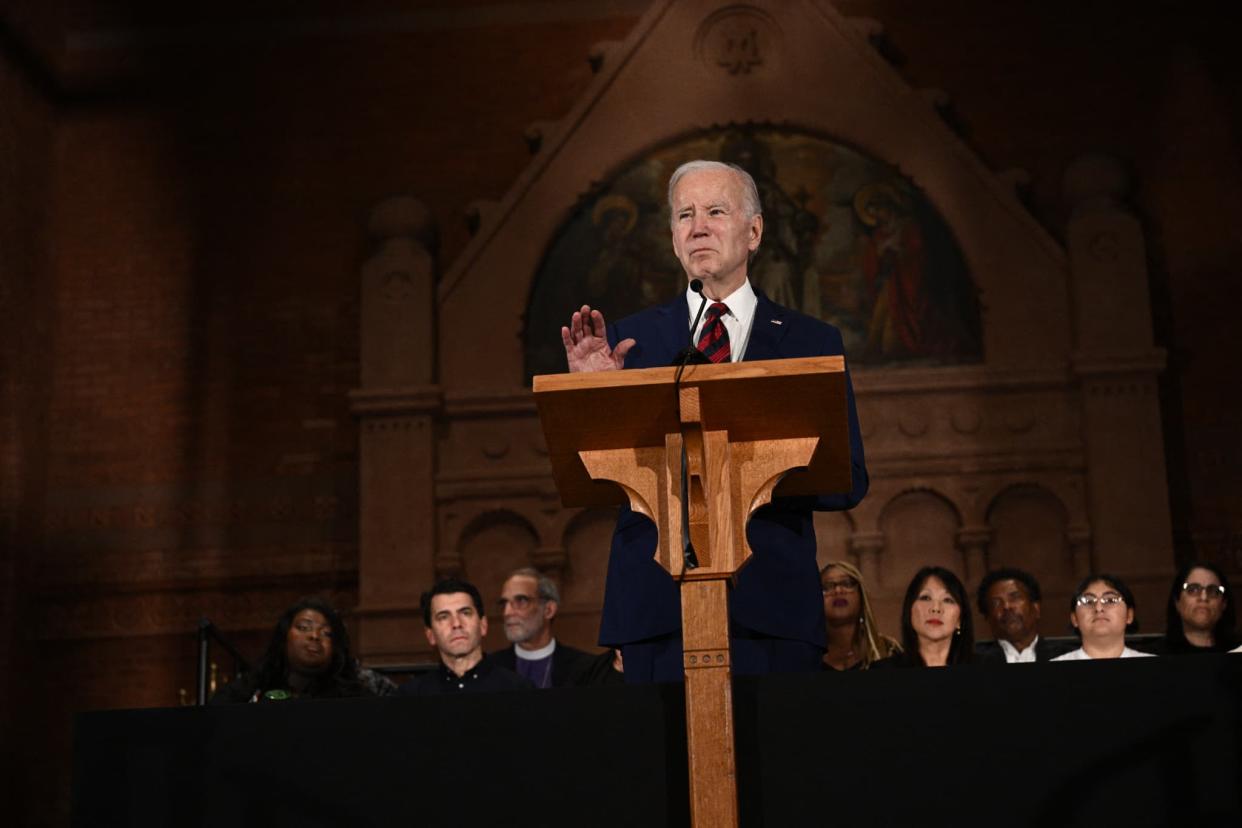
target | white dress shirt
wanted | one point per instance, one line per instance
(1015, 656)
(1081, 655)
(737, 321)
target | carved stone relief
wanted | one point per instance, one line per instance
(738, 40)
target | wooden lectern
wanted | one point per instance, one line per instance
(748, 429)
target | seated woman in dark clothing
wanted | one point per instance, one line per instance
(936, 627)
(308, 657)
(854, 643)
(1200, 613)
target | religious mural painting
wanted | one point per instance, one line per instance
(847, 239)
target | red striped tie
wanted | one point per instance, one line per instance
(714, 340)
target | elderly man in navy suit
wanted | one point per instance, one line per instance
(776, 606)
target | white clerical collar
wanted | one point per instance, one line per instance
(535, 655)
(742, 303)
(1015, 656)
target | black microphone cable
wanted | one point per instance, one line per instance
(689, 559)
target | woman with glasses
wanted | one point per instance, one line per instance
(1199, 614)
(1102, 612)
(854, 643)
(936, 627)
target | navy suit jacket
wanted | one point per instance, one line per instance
(777, 592)
(990, 652)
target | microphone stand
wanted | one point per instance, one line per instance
(690, 356)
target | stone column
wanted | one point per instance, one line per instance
(1117, 366)
(973, 541)
(1079, 540)
(866, 548)
(397, 406)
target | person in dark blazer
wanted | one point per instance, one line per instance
(1200, 612)
(1010, 600)
(529, 601)
(455, 626)
(936, 627)
(776, 606)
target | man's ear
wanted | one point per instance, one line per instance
(483, 626)
(1129, 616)
(1035, 604)
(549, 610)
(431, 637)
(756, 232)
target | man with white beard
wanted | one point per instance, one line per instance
(528, 602)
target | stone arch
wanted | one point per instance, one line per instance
(834, 533)
(1031, 530)
(491, 545)
(920, 528)
(829, 209)
(586, 541)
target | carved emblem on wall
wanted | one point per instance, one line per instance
(738, 40)
(846, 238)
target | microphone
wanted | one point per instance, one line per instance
(692, 355)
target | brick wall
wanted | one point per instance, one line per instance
(24, 134)
(208, 224)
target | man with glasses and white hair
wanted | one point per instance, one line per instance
(529, 602)
(776, 607)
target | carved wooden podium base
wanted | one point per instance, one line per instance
(742, 426)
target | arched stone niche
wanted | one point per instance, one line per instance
(492, 546)
(834, 532)
(1032, 531)
(847, 239)
(586, 541)
(920, 529)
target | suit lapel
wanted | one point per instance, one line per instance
(672, 327)
(768, 328)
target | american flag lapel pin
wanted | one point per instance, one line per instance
(777, 322)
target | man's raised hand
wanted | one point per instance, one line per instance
(586, 343)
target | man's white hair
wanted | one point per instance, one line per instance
(750, 193)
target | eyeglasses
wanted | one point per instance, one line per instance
(1106, 600)
(520, 602)
(1208, 590)
(846, 585)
